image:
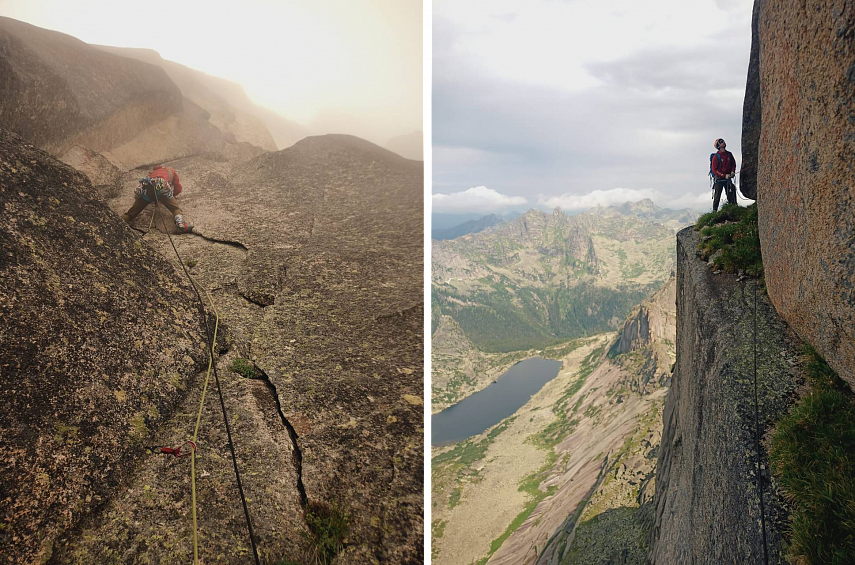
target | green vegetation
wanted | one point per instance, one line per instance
(465, 453)
(191, 263)
(813, 457)
(564, 423)
(454, 497)
(327, 528)
(561, 351)
(435, 314)
(616, 531)
(531, 486)
(451, 393)
(245, 368)
(733, 230)
(497, 319)
(437, 529)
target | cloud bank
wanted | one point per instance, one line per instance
(478, 198)
(640, 109)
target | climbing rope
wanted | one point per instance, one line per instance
(196, 430)
(211, 364)
(757, 437)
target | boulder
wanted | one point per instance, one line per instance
(806, 170)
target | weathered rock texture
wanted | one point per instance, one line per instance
(100, 335)
(751, 115)
(806, 169)
(321, 288)
(313, 258)
(99, 110)
(653, 320)
(707, 504)
(228, 107)
(58, 91)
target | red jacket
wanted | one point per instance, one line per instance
(723, 163)
(168, 174)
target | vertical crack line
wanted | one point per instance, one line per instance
(297, 454)
(757, 436)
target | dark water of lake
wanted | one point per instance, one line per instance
(489, 406)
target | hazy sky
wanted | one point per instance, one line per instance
(327, 64)
(574, 103)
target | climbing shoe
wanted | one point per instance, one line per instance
(182, 225)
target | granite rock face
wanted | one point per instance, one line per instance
(99, 110)
(805, 169)
(100, 337)
(653, 320)
(707, 504)
(751, 115)
(58, 91)
(227, 105)
(319, 286)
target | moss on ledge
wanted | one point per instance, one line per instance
(813, 457)
(731, 240)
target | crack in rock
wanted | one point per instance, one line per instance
(228, 242)
(297, 453)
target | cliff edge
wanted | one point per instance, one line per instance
(707, 505)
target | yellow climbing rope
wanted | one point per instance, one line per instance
(201, 401)
(196, 431)
(211, 364)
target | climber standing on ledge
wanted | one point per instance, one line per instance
(161, 185)
(723, 167)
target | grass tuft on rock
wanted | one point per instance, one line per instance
(328, 526)
(731, 239)
(245, 368)
(813, 457)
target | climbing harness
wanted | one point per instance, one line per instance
(211, 340)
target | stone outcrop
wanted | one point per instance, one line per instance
(653, 320)
(58, 91)
(101, 337)
(103, 174)
(707, 504)
(313, 258)
(104, 112)
(805, 188)
(227, 105)
(751, 115)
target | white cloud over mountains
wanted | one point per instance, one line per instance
(621, 195)
(478, 198)
(572, 99)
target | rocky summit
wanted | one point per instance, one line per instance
(309, 263)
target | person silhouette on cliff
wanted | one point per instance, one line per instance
(163, 186)
(723, 167)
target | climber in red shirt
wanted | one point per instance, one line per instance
(161, 185)
(723, 168)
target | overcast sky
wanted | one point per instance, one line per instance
(331, 65)
(574, 103)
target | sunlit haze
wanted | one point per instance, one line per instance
(334, 66)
